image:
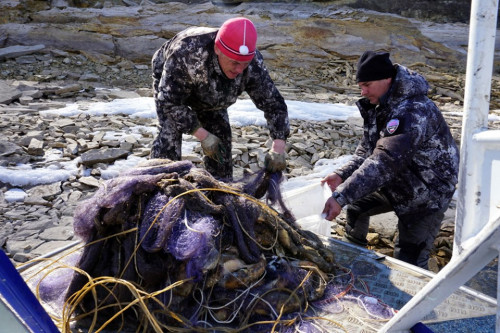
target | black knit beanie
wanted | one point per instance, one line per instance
(373, 66)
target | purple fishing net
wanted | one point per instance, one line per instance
(160, 215)
(242, 264)
(193, 242)
(84, 217)
(264, 183)
(54, 286)
(304, 326)
(273, 191)
(151, 167)
(189, 241)
(372, 306)
(114, 192)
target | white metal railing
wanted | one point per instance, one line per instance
(477, 222)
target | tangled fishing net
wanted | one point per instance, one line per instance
(170, 248)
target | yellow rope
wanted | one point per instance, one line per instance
(141, 298)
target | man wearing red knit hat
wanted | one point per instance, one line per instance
(197, 75)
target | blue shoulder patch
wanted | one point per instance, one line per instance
(392, 126)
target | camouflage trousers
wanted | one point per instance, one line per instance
(168, 142)
(416, 232)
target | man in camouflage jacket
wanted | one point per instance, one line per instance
(197, 75)
(406, 162)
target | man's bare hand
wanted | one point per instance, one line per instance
(333, 180)
(332, 209)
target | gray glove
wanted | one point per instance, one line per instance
(212, 147)
(275, 162)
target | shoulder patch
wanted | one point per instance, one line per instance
(392, 126)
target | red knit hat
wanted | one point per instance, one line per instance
(237, 39)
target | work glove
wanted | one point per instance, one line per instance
(275, 162)
(212, 147)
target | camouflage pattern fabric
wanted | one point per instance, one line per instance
(407, 151)
(416, 232)
(191, 91)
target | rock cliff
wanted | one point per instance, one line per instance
(307, 45)
(291, 34)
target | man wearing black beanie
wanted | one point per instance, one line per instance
(373, 66)
(407, 160)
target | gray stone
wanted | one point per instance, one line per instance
(25, 100)
(36, 147)
(300, 147)
(40, 224)
(8, 93)
(15, 214)
(48, 247)
(299, 162)
(61, 233)
(105, 155)
(19, 50)
(141, 152)
(90, 181)
(138, 48)
(192, 157)
(71, 148)
(75, 196)
(24, 60)
(45, 191)
(68, 89)
(63, 122)
(23, 257)
(385, 224)
(113, 94)
(7, 148)
(90, 77)
(22, 234)
(36, 200)
(14, 246)
(128, 146)
(6, 229)
(66, 221)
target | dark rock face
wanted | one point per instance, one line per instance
(109, 31)
(443, 11)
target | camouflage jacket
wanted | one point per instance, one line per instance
(407, 150)
(187, 79)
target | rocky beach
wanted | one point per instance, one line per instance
(56, 53)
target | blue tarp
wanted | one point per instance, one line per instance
(22, 300)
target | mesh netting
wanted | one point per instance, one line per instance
(194, 243)
(169, 248)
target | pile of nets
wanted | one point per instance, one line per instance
(170, 248)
